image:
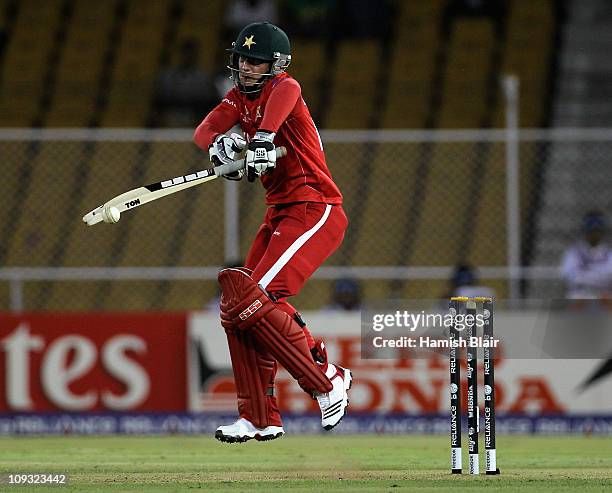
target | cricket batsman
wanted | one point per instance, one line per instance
(304, 224)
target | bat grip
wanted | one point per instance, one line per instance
(226, 169)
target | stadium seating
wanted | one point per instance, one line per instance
(196, 295)
(134, 74)
(94, 247)
(384, 214)
(200, 21)
(315, 294)
(81, 65)
(26, 62)
(307, 66)
(529, 40)
(343, 160)
(489, 217)
(353, 96)
(138, 247)
(45, 211)
(44, 207)
(412, 65)
(442, 211)
(201, 241)
(530, 28)
(464, 103)
(252, 210)
(9, 185)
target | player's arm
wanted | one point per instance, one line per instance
(210, 135)
(223, 117)
(281, 102)
(261, 154)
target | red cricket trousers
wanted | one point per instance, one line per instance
(293, 241)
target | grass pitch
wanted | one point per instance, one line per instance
(330, 463)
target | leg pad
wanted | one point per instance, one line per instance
(254, 373)
(246, 306)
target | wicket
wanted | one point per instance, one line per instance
(456, 305)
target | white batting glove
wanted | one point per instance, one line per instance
(225, 150)
(261, 155)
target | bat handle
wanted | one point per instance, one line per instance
(226, 169)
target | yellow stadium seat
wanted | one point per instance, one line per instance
(343, 159)
(489, 221)
(201, 20)
(354, 88)
(253, 209)
(445, 201)
(384, 216)
(307, 66)
(133, 77)
(44, 210)
(191, 295)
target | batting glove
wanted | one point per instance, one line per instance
(225, 150)
(261, 155)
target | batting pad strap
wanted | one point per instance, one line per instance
(246, 306)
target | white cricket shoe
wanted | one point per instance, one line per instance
(243, 430)
(333, 404)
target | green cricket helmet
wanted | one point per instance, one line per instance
(260, 41)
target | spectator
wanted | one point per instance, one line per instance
(345, 295)
(185, 92)
(586, 266)
(465, 283)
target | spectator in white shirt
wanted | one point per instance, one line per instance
(586, 266)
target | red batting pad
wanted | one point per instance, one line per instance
(253, 373)
(245, 306)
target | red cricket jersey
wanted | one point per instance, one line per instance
(302, 175)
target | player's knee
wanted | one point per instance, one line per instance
(243, 302)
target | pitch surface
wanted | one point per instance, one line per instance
(326, 462)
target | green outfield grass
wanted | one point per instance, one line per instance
(320, 463)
